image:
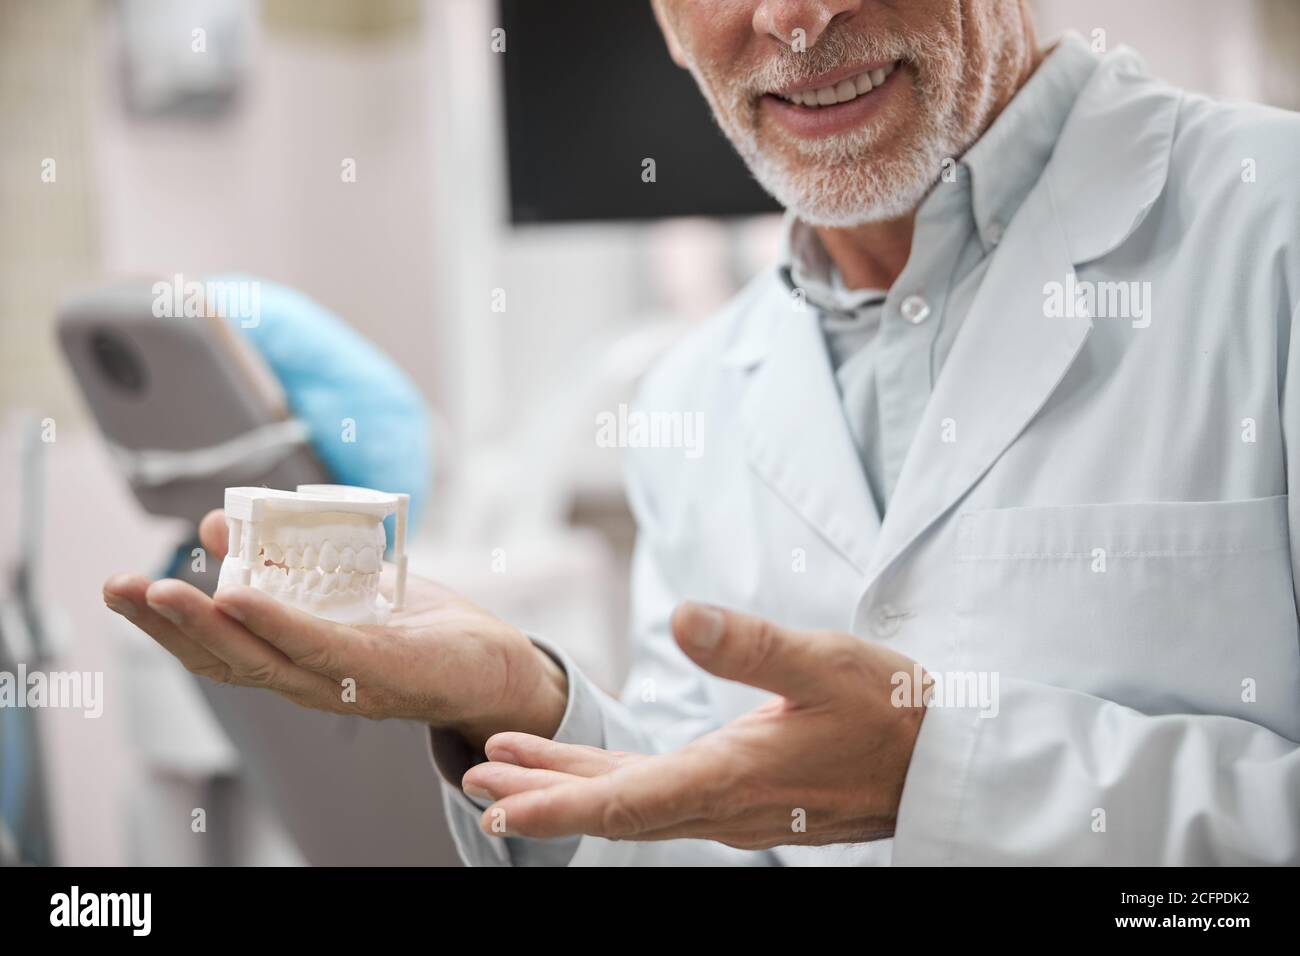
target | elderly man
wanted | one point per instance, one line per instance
(993, 492)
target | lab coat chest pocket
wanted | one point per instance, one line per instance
(1166, 607)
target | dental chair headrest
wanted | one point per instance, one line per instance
(366, 420)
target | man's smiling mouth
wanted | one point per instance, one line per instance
(842, 90)
(836, 102)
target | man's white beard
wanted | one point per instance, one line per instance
(844, 180)
(841, 184)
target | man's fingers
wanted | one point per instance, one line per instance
(495, 781)
(642, 797)
(527, 750)
(252, 661)
(213, 534)
(321, 646)
(754, 651)
(125, 594)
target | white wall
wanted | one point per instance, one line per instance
(1227, 48)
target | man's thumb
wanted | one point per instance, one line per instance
(213, 535)
(751, 650)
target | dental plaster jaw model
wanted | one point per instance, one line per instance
(319, 549)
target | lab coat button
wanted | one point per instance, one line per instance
(915, 309)
(888, 620)
(995, 232)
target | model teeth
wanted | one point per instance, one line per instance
(329, 557)
(841, 92)
(319, 550)
(340, 559)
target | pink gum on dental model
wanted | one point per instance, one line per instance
(249, 510)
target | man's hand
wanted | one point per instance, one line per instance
(441, 660)
(822, 763)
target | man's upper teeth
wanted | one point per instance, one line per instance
(843, 91)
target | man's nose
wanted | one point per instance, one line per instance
(800, 23)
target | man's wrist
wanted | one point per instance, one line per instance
(552, 697)
(538, 711)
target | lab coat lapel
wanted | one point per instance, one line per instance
(1009, 356)
(1005, 363)
(798, 441)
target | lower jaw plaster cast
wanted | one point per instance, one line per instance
(319, 549)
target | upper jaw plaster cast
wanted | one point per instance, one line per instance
(319, 549)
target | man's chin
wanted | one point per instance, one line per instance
(851, 218)
(844, 197)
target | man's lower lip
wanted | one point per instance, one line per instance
(828, 120)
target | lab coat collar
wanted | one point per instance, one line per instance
(1006, 162)
(1003, 367)
(1111, 162)
(796, 437)
(1010, 357)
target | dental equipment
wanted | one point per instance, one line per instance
(319, 549)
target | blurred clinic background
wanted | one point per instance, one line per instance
(457, 182)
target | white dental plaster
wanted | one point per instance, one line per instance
(319, 549)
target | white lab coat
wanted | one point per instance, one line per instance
(1095, 512)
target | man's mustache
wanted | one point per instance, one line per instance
(832, 52)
